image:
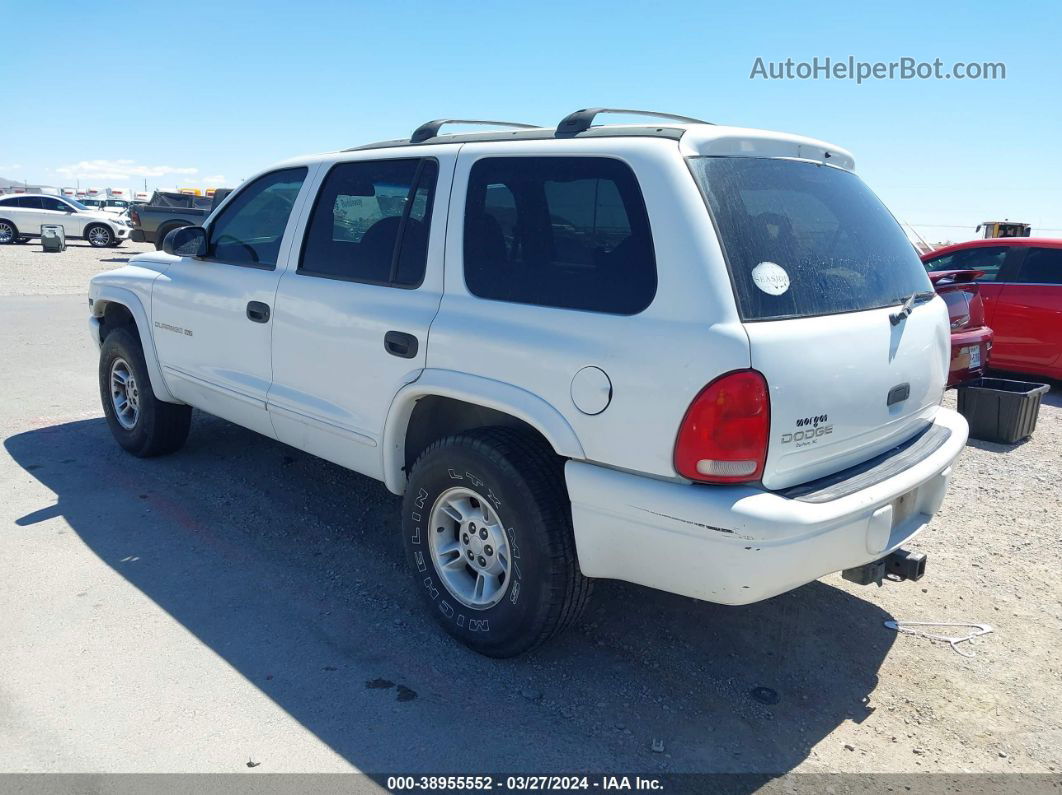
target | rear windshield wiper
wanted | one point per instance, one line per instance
(908, 305)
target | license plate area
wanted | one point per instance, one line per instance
(903, 507)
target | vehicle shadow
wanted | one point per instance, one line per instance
(289, 568)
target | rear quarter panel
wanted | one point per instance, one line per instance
(657, 360)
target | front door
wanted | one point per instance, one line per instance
(351, 321)
(58, 212)
(212, 315)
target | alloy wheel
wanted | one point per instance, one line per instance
(469, 548)
(125, 394)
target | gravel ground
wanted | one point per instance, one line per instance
(29, 270)
(244, 602)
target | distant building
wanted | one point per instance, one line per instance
(11, 186)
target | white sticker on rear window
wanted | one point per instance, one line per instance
(771, 278)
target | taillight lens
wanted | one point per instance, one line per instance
(723, 437)
(134, 216)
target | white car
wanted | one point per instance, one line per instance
(22, 216)
(700, 358)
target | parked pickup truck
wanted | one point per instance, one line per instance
(165, 212)
(699, 358)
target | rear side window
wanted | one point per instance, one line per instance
(569, 232)
(370, 222)
(251, 227)
(982, 258)
(30, 203)
(1042, 266)
(803, 239)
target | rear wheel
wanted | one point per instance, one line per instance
(488, 533)
(99, 236)
(141, 423)
(160, 235)
(8, 233)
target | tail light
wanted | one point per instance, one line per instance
(134, 216)
(723, 437)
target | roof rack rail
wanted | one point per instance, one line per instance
(581, 120)
(430, 129)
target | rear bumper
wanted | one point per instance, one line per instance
(969, 354)
(737, 544)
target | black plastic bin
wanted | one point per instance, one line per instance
(1000, 410)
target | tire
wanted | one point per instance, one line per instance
(160, 234)
(513, 482)
(8, 232)
(99, 235)
(152, 427)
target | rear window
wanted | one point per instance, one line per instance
(981, 258)
(804, 239)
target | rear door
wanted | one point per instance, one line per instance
(353, 310)
(1028, 316)
(31, 215)
(841, 318)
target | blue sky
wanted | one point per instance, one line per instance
(207, 93)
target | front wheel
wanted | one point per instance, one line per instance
(141, 423)
(488, 533)
(99, 236)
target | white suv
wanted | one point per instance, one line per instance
(22, 216)
(701, 358)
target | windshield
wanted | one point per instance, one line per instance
(74, 203)
(804, 239)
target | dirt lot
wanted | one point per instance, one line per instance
(29, 270)
(241, 602)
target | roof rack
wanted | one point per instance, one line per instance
(580, 121)
(431, 129)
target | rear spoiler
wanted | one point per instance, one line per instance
(954, 277)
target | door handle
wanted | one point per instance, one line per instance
(400, 344)
(258, 312)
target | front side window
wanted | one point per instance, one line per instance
(981, 258)
(803, 239)
(568, 232)
(1041, 266)
(54, 204)
(370, 222)
(251, 228)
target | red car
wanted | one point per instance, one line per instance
(1021, 291)
(971, 339)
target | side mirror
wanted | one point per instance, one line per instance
(186, 241)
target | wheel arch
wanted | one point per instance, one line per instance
(166, 227)
(442, 402)
(123, 309)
